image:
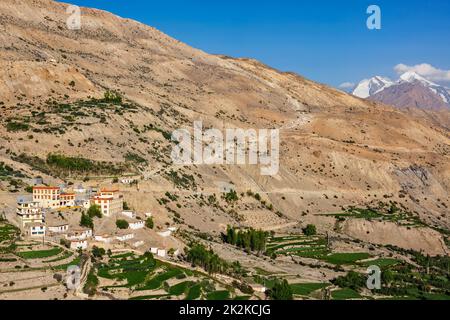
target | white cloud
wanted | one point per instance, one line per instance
(425, 70)
(347, 85)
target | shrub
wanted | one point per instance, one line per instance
(149, 223)
(94, 211)
(310, 230)
(281, 291)
(86, 221)
(122, 224)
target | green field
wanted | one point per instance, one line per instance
(40, 254)
(381, 262)
(345, 294)
(305, 289)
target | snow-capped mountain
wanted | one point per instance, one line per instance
(411, 90)
(369, 87)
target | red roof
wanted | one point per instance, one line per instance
(45, 188)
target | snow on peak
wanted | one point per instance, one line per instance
(369, 87)
(411, 76)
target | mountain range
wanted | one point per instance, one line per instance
(411, 90)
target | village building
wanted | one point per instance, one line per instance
(109, 201)
(136, 225)
(80, 234)
(161, 253)
(129, 214)
(106, 238)
(29, 212)
(127, 180)
(165, 234)
(124, 236)
(60, 228)
(67, 200)
(78, 244)
(47, 197)
(36, 230)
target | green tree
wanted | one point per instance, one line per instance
(149, 223)
(94, 211)
(281, 291)
(310, 230)
(122, 224)
(86, 221)
(98, 252)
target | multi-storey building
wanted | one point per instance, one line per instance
(67, 200)
(109, 201)
(47, 197)
(29, 212)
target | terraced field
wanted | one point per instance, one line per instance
(28, 268)
(146, 278)
(399, 217)
(314, 247)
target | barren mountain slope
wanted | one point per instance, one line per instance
(336, 150)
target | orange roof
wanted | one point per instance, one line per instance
(45, 188)
(67, 194)
(109, 190)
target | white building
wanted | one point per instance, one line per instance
(80, 234)
(61, 228)
(137, 225)
(154, 250)
(148, 214)
(129, 214)
(165, 234)
(109, 201)
(104, 238)
(29, 212)
(125, 236)
(161, 253)
(78, 244)
(127, 180)
(37, 230)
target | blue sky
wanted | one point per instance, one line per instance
(324, 40)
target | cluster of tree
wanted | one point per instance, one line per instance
(98, 252)
(281, 290)
(249, 239)
(122, 224)
(94, 211)
(352, 280)
(231, 196)
(86, 221)
(112, 97)
(199, 256)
